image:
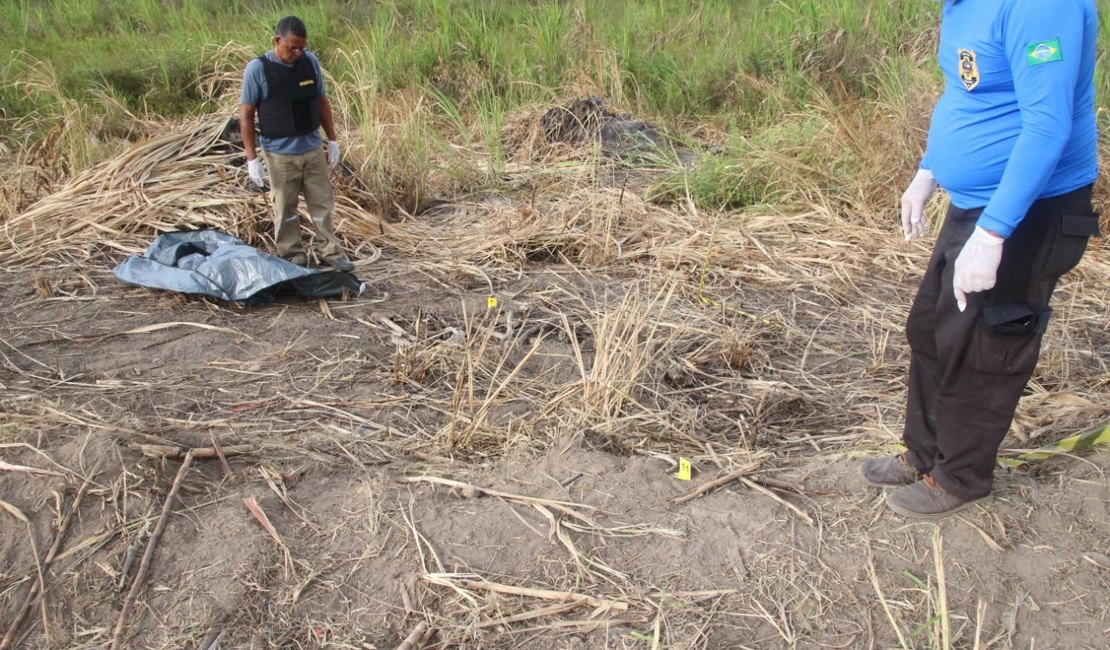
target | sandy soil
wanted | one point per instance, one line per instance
(349, 410)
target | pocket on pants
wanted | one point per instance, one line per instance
(1007, 340)
(1069, 242)
(1016, 320)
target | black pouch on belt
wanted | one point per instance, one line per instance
(1081, 224)
(1016, 320)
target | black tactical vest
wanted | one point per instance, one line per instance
(290, 107)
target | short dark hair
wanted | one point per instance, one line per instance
(291, 26)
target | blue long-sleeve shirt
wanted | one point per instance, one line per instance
(1016, 121)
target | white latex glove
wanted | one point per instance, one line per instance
(255, 172)
(913, 203)
(333, 153)
(977, 265)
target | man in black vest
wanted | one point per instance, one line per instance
(285, 89)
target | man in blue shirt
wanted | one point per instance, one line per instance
(1013, 142)
(285, 89)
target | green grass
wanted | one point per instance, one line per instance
(765, 72)
(661, 58)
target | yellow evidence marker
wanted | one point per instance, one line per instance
(683, 473)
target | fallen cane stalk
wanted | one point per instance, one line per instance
(414, 637)
(59, 537)
(545, 594)
(144, 565)
(564, 507)
(6, 467)
(777, 484)
(543, 612)
(759, 488)
(716, 483)
(222, 456)
(697, 596)
(200, 453)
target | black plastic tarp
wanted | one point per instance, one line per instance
(215, 264)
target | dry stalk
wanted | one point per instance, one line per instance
(467, 581)
(277, 486)
(198, 453)
(578, 520)
(871, 573)
(564, 507)
(695, 596)
(491, 399)
(8, 467)
(13, 511)
(260, 516)
(565, 601)
(146, 329)
(39, 588)
(716, 483)
(186, 178)
(793, 508)
(415, 637)
(36, 450)
(591, 623)
(559, 527)
(980, 614)
(222, 455)
(18, 514)
(148, 554)
(945, 624)
(542, 612)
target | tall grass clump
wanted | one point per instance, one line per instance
(842, 156)
(64, 133)
(676, 58)
(435, 81)
(723, 57)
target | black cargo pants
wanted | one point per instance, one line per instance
(968, 369)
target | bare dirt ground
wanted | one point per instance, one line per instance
(477, 477)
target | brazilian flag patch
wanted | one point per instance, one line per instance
(1043, 52)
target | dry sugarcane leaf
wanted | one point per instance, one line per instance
(7, 467)
(146, 329)
(13, 511)
(261, 518)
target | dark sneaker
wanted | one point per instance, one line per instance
(927, 500)
(339, 264)
(888, 471)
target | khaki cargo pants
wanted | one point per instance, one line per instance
(290, 176)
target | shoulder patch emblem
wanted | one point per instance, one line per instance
(1043, 52)
(969, 69)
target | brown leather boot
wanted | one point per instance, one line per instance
(888, 471)
(927, 500)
